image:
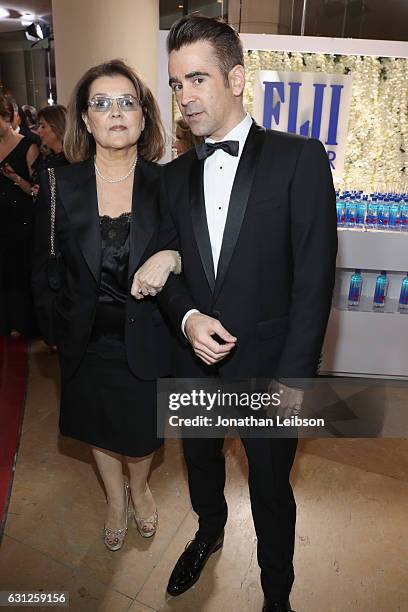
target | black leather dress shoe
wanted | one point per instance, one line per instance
(277, 606)
(190, 565)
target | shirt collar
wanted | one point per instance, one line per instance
(239, 132)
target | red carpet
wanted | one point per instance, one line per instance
(13, 381)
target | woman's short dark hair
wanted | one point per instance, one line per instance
(80, 145)
(197, 28)
(6, 108)
(56, 117)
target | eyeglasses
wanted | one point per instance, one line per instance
(103, 103)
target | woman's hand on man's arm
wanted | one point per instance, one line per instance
(151, 277)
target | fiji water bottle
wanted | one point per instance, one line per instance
(385, 214)
(339, 204)
(403, 300)
(361, 211)
(404, 217)
(372, 211)
(346, 207)
(341, 212)
(381, 289)
(379, 212)
(394, 218)
(351, 211)
(356, 283)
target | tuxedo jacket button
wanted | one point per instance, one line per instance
(132, 320)
(216, 313)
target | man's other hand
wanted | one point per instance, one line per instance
(200, 330)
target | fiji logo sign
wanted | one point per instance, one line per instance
(313, 104)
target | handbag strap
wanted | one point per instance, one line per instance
(53, 190)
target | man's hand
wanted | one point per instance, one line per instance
(291, 399)
(200, 330)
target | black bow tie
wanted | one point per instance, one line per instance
(206, 149)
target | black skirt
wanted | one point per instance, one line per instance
(105, 405)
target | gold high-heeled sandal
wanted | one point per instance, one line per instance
(147, 527)
(114, 538)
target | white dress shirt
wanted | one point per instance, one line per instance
(219, 174)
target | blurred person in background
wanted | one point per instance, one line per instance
(31, 116)
(184, 138)
(51, 130)
(24, 129)
(17, 155)
(20, 124)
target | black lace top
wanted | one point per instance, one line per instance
(109, 325)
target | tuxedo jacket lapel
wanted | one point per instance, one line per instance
(240, 193)
(144, 213)
(199, 219)
(79, 199)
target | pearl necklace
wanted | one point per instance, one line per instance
(118, 180)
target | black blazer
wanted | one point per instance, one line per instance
(276, 269)
(66, 318)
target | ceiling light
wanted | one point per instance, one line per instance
(4, 13)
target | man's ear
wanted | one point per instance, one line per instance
(236, 79)
(86, 121)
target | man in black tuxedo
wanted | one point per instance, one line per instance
(255, 217)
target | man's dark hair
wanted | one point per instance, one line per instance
(31, 114)
(197, 28)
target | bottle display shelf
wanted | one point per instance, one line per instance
(391, 305)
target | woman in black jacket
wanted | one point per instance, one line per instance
(111, 346)
(17, 156)
(51, 131)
